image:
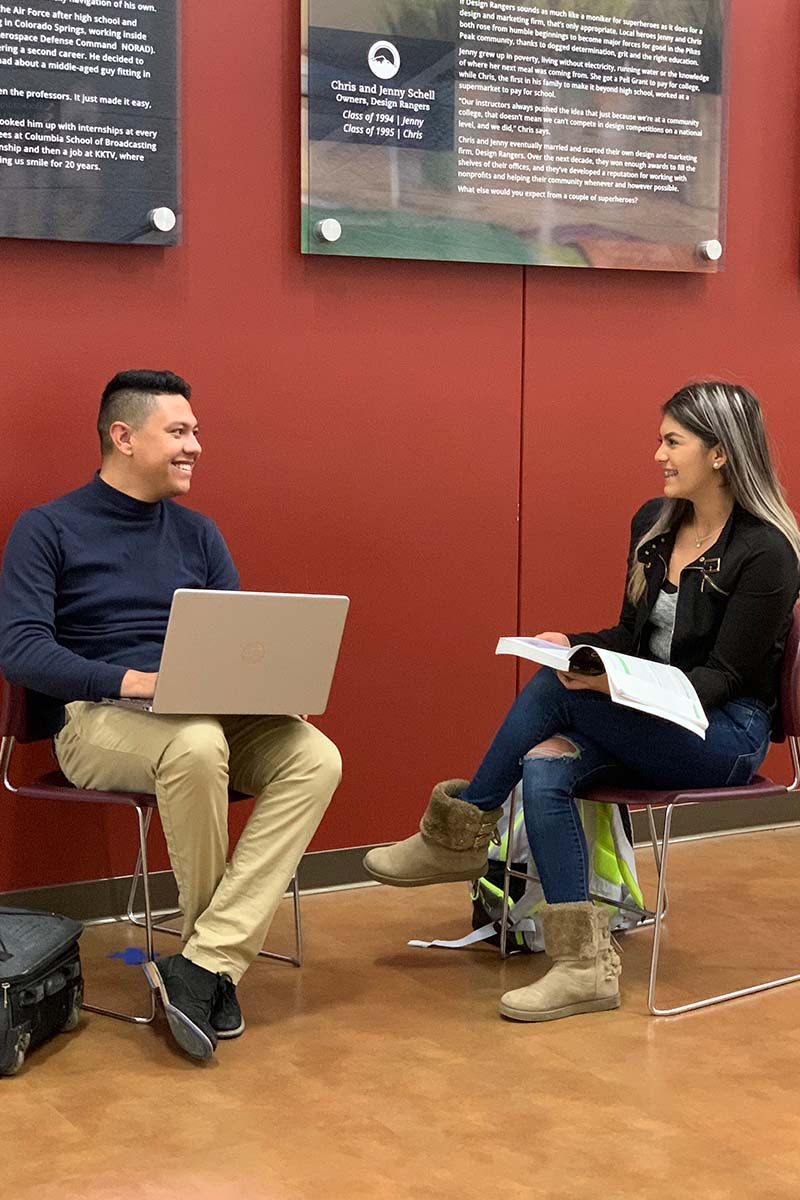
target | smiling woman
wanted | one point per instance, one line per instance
(713, 576)
(714, 451)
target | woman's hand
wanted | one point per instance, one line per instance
(560, 639)
(572, 679)
(584, 683)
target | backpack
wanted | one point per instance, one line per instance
(613, 880)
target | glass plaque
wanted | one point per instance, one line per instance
(89, 121)
(589, 133)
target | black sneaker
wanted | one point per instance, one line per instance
(187, 993)
(226, 1016)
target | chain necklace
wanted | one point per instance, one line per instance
(698, 539)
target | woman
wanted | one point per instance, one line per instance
(713, 576)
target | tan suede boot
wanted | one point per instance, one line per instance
(585, 977)
(452, 844)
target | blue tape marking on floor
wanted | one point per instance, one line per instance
(132, 956)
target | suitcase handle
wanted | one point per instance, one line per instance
(51, 986)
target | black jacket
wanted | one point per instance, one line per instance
(734, 607)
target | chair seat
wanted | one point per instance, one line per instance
(760, 788)
(53, 785)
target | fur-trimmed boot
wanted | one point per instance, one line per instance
(586, 970)
(452, 844)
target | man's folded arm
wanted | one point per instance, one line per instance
(29, 652)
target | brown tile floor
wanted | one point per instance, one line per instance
(381, 1071)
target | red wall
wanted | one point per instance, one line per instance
(604, 349)
(365, 422)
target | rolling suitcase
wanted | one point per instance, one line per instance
(41, 986)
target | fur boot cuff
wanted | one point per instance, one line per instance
(455, 824)
(578, 930)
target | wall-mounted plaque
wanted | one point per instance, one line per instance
(89, 121)
(582, 133)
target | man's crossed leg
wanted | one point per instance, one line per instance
(292, 770)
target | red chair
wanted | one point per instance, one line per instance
(14, 729)
(760, 788)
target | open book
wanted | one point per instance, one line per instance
(649, 687)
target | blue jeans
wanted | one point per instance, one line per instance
(614, 744)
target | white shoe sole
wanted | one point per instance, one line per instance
(188, 1035)
(553, 1014)
(450, 877)
(230, 1033)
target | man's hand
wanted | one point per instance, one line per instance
(560, 639)
(138, 685)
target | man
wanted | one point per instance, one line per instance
(85, 593)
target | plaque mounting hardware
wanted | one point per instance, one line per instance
(162, 219)
(711, 250)
(329, 230)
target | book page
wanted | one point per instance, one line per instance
(546, 654)
(649, 687)
(655, 687)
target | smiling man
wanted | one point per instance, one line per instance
(85, 595)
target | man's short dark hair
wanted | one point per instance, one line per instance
(130, 397)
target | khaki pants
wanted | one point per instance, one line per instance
(288, 765)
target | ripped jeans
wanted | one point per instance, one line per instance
(612, 744)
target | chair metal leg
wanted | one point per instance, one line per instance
(143, 823)
(661, 863)
(131, 913)
(297, 958)
(298, 921)
(135, 881)
(648, 919)
(654, 837)
(660, 909)
(656, 854)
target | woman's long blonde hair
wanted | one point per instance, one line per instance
(722, 414)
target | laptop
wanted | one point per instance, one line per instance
(247, 653)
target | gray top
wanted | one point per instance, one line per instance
(662, 623)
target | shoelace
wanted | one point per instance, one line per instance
(226, 989)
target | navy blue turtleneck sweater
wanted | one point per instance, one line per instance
(87, 585)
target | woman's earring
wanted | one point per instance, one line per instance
(717, 466)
